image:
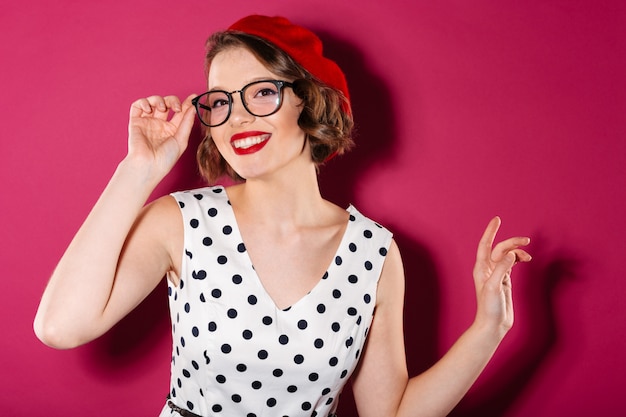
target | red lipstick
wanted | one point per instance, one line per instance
(246, 143)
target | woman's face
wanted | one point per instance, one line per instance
(255, 146)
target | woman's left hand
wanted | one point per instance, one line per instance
(492, 278)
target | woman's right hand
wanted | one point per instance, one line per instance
(158, 131)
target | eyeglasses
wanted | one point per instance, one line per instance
(259, 98)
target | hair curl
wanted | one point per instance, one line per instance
(325, 117)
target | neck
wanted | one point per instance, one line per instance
(290, 199)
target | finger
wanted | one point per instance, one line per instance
(188, 118)
(502, 270)
(173, 103)
(508, 245)
(521, 255)
(486, 241)
(140, 107)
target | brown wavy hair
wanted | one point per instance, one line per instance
(326, 118)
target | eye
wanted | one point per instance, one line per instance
(266, 91)
(217, 103)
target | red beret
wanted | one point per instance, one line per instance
(299, 43)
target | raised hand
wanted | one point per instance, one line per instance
(492, 277)
(158, 131)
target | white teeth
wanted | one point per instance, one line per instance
(251, 141)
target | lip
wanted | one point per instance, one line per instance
(246, 143)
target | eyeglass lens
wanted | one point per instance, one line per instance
(260, 98)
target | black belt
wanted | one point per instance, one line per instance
(181, 411)
(187, 413)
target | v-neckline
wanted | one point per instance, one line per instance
(319, 283)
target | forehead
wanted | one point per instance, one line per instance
(233, 68)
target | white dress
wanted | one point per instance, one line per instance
(234, 352)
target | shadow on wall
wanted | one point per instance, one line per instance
(549, 271)
(148, 325)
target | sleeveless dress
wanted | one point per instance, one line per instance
(234, 352)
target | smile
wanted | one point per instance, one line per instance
(249, 142)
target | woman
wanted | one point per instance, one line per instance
(272, 289)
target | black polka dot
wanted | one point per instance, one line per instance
(195, 331)
(298, 359)
(252, 300)
(226, 348)
(353, 279)
(383, 251)
(212, 326)
(247, 334)
(257, 384)
(277, 372)
(222, 259)
(267, 320)
(232, 313)
(241, 248)
(221, 379)
(367, 298)
(181, 204)
(262, 354)
(352, 311)
(212, 212)
(283, 339)
(368, 265)
(335, 326)
(338, 260)
(216, 293)
(349, 342)
(319, 343)
(302, 324)
(321, 308)
(195, 365)
(190, 405)
(352, 247)
(187, 307)
(237, 279)
(313, 376)
(306, 406)
(343, 374)
(198, 196)
(352, 218)
(292, 388)
(227, 230)
(216, 408)
(336, 294)
(186, 373)
(201, 274)
(194, 223)
(242, 367)
(202, 299)
(207, 241)
(271, 402)
(326, 391)
(236, 398)
(367, 234)
(325, 276)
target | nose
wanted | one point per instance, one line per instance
(238, 113)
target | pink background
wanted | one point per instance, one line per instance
(465, 110)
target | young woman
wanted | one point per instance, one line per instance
(272, 289)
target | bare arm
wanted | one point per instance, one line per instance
(381, 386)
(118, 255)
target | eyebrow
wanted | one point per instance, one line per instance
(263, 78)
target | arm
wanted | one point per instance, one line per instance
(381, 386)
(121, 251)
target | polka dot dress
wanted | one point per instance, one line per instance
(234, 352)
